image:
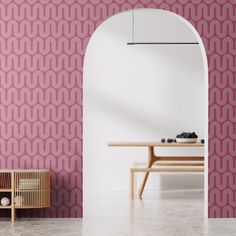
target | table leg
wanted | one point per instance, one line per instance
(151, 160)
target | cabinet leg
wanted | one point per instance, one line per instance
(13, 215)
(13, 210)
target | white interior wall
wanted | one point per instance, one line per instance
(140, 93)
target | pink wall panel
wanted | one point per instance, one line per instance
(41, 97)
(42, 46)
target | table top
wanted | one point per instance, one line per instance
(152, 144)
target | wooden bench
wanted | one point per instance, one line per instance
(169, 166)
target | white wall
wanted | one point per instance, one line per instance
(140, 93)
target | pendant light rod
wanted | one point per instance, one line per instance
(155, 43)
(162, 43)
(133, 26)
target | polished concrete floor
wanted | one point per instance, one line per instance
(163, 213)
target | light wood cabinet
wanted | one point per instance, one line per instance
(26, 188)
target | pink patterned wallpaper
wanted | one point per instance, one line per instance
(42, 46)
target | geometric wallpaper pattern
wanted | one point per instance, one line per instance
(41, 98)
(42, 47)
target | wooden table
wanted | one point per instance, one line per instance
(152, 158)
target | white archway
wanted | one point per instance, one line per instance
(108, 60)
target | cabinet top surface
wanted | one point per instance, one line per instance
(23, 170)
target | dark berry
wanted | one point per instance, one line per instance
(187, 135)
(163, 140)
(169, 140)
(202, 141)
(193, 135)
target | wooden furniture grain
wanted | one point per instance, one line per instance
(169, 161)
(26, 188)
(134, 170)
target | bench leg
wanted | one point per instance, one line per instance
(135, 182)
(132, 184)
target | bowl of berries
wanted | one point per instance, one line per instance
(186, 137)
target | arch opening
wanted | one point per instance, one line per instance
(142, 93)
